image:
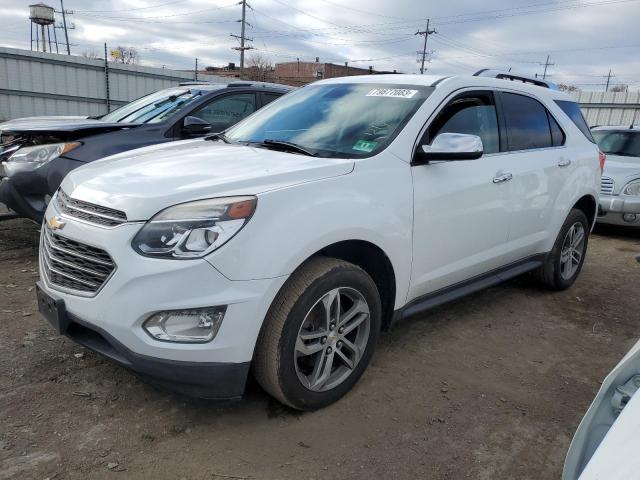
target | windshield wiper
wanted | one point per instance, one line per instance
(294, 147)
(217, 136)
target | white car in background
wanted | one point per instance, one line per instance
(606, 445)
(620, 190)
(288, 243)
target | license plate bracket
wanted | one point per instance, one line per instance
(53, 309)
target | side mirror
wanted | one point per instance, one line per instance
(450, 147)
(195, 126)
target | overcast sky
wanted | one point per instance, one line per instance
(584, 38)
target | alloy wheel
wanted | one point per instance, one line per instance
(332, 339)
(572, 250)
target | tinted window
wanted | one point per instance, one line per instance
(349, 120)
(616, 142)
(557, 135)
(269, 97)
(471, 114)
(573, 112)
(226, 111)
(526, 121)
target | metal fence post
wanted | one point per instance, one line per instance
(106, 79)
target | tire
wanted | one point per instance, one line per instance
(283, 364)
(554, 273)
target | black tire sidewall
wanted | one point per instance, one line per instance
(294, 391)
(574, 217)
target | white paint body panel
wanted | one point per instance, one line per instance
(438, 224)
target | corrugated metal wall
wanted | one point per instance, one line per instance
(36, 83)
(609, 108)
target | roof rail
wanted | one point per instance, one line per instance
(186, 84)
(487, 72)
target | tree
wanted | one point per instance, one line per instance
(619, 88)
(259, 68)
(567, 87)
(124, 55)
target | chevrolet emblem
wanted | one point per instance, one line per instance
(55, 223)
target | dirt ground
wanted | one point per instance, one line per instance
(490, 387)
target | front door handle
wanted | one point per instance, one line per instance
(564, 162)
(502, 177)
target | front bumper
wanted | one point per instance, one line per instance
(141, 286)
(614, 207)
(210, 380)
(32, 207)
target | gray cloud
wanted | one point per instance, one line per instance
(585, 38)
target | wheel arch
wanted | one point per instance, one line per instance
(589, 206)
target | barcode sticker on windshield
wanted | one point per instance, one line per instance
(392, 92)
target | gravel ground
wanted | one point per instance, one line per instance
(489, 387)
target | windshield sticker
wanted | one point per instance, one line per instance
(392, 92)
(364, 146)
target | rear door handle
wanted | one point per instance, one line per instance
(564, 162)
(502, 177)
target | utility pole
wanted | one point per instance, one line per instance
(243, 39)
(426, 34)
(64, 25)
(107, 94)
(606, 88)
(546, 65)
(196, 70)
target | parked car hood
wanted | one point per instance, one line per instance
(621, 168)
(42, 125)
(144, 181)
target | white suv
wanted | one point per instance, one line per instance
(288, 243)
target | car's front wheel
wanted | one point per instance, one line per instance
(319, 334)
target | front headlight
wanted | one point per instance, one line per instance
(194, 229)
(632, 188)
(27, 159)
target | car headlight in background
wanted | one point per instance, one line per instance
(632, 188)
(194, 229)
(26, 159)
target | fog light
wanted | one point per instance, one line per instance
(196, 325)
(629, 217)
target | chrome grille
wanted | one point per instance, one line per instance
(107, 217)
(74, 265)
(606, 186)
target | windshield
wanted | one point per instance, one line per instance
(152, 108)
(334, 120)
(618, 142)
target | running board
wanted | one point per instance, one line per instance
(462, 289)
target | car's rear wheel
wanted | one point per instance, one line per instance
(319, 334)
(564, 263)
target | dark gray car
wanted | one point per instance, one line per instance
(38, 152)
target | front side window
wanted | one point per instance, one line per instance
(526, 121)
(334, 120)
(473, 114)
(618, 142)
(227, 111)
(152, 108)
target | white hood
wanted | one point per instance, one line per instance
(144, 181)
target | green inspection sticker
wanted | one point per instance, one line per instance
(364, 146)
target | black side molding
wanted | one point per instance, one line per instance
(462, 289)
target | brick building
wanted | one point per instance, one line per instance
(300, 73)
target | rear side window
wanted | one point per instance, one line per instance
(573, 112)
(527, 123)
(269, 97)
(557, 135)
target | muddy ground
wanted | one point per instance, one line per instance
(490, 387)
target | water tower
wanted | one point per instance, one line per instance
(42, 16)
